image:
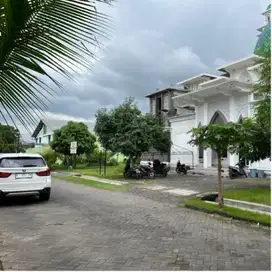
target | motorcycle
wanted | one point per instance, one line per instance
(237, 171)
(160, 168)
(181, 168)
(147, 172)
(139, 172)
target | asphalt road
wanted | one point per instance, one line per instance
(82, 228)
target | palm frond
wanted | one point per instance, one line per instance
(38, 36)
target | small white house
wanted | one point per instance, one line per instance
(43, 134)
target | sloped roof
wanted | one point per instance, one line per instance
(54, 124)
(171, 89)
(196, 79)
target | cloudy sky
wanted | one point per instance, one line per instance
(158, 42)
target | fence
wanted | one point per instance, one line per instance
(177, 153)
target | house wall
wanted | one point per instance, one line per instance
(241, 75)
(44, 137)
(153, 105)
(222, 104)
(180, 148)
(194, 86)
(242, 106)
(165, 101)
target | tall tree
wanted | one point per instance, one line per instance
(220, 137)
(126, 130)
(39, 36)
(260, 125)
(10, 141)
(262, 90)
(73, 131)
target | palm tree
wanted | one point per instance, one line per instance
(39, 36)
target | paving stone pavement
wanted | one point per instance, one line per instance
(207, 183)
(83, 228)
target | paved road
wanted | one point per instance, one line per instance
(208, 183)
(82, 228)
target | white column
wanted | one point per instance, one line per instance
(207, 154)
(232, 158)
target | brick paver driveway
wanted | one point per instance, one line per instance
(88, 229)
(208, 183)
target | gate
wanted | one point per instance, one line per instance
(183, 154)
(177, 153)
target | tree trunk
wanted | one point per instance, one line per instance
(138, 158)
(131, 161)
(220, 186)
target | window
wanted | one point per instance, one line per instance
(49, 138)
(44, 129)
(40, 140)
(18, 162)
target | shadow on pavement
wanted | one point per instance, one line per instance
(19, 200)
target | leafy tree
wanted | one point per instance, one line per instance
(126, 130)
(220, 137)
(262, 90)
(39, 37)
(261, 124)
(257, 146)
(10, 141)
(73, 131)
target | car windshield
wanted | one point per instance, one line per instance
(17, 162)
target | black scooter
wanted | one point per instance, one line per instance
(160, 168)
(139, 172)
(237, 171)
(181, 168)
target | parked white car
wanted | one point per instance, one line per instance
(24, 173)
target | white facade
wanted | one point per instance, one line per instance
(218, 99)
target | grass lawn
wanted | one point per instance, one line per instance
(95, 184)
(228, 211)
(257, 195)
(112, 172)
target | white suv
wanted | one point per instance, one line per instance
(24, 173)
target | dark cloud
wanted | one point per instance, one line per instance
(159, 42)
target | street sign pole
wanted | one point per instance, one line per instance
(73, 152)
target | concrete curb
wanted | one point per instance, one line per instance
(97, 179)
(226, 215)
(261, 208)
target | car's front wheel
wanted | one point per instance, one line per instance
(45, 195)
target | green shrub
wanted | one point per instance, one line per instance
(112, 162)
(50, 157)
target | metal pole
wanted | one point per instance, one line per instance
(100, 162)
(74, 159)
(105, 162)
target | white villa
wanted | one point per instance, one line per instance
(205, 99)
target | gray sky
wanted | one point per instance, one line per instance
(159, 42)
